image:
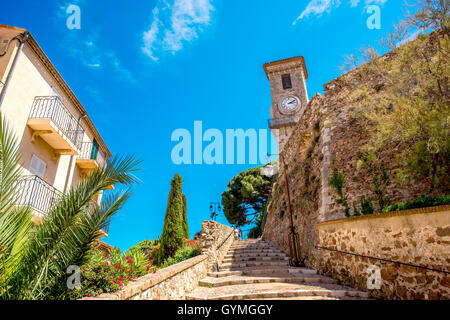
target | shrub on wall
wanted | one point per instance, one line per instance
(190, 250)
(420, 202)
(101, 274)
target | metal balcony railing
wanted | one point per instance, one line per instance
(37, 194)
(93, 152)
(51, 107)
(40, 196)
(282, 122)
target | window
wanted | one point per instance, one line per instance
(286, 79)
(38, 166)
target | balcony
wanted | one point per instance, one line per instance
(40, 196)
(282, 122)
(50, 120)
(91, 157)
(37, 194)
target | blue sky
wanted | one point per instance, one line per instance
(145, 68)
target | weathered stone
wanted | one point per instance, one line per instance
(443, 232)
(389, 273)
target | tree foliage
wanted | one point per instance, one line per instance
(412, 114)
(246, 196)
(185, 221)
(174, 229)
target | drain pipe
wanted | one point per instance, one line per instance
(69, 169)
(22, 38)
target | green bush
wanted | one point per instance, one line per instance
(420, 202)
(181, 255)
(102, 274)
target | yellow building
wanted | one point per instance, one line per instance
(58, 141)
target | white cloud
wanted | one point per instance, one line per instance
(318, 7)
(175, 23)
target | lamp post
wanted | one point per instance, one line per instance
(214, 207)
(294, 247)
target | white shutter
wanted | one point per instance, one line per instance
(38, 166)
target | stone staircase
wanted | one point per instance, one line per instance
(253, 269)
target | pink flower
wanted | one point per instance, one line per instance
(128, 258)
(130, 261)
(121, 279)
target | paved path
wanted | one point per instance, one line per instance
(253, 269)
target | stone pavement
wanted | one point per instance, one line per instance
(253, 269)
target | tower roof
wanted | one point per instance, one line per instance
(284, 65)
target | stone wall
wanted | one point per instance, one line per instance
(418, 237)
(174, 282)
(329, 133)
(215, 241)
(171, 283)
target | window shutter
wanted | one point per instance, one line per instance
(38, 166)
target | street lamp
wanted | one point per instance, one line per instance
(269, 170)
(214, 207)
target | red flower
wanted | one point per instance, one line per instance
(128, 258)
(130, 261)
(121, 279)
(116, 266)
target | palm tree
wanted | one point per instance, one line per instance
(34, 260)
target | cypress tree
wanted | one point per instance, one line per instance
(185, 221)
(173, 231)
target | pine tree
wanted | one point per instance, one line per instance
(185, 221)
(173, 231)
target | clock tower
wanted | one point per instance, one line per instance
(287, 80)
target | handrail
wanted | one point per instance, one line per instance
(381, 259)
(225, 240)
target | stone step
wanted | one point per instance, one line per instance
(247, 264)
(222, 274)
(259, 269)
(252, 251)
(247, 259)
(213, 282)
(301, 271)
(274, 290)
(255, 255)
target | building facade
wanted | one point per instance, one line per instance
(59, 143)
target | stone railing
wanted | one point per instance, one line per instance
(215, 241)
(174, 282)
(398, 255)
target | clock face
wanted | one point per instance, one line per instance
(289, 104)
